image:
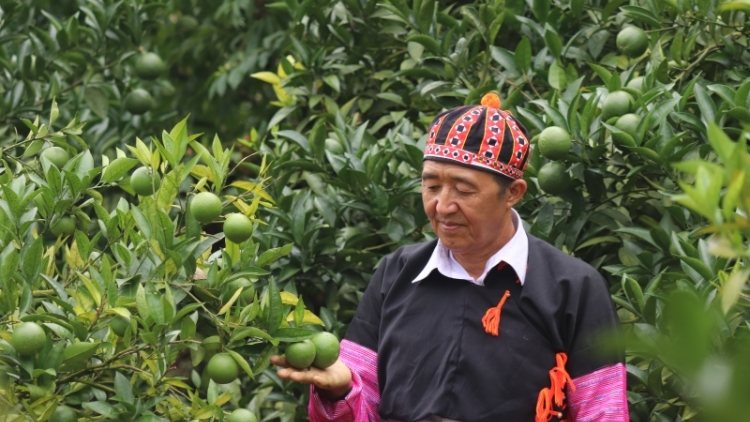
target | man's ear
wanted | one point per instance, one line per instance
(515, 191)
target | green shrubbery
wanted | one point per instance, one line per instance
(329, 102)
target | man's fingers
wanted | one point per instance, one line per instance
(279, 361)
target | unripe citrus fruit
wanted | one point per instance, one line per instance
(327, 349)
(248, 290)
(63, 414)
(241, 415)
(222, 368)
(28, 338)
(554, 143)
(237, 227)
(632, 41)
(206, 207)
(138, 101)
(616, 104)
(627, 123)
(145, 181)
(553, 178)
(300, 355)
(636, 83)
(119, 325)
(56, 156)
(149, 66)
(66, 226)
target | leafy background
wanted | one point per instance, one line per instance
(310, 117)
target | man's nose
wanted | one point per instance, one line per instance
(446, 204)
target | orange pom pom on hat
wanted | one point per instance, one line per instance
(482, 137)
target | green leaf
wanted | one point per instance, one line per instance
(723, 146)
(77, 353)
(425, 16)
(552, 40)
(556, 77)
(252, 332)
(292, 335)
(427, 41)
(97, 100)
(275, 307)
(118, 168)
(272, 255)
(541, 9)
(123, 389)
(634, 293)
(732, 288)
(470, 14)
(603, 73)
(705, 103)
(32, 260)
(242, 363)
(522, 55)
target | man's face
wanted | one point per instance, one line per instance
(465, 207)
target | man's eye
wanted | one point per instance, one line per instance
(432, 188)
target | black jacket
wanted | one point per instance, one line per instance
(434, 356)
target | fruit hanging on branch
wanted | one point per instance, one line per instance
(149, 66)
(205, 207)
(222, 368)
(28, 338)
(237, 227)
(138, 101)
(144, 181)
(554, 143)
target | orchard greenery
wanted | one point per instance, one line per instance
(323, 106)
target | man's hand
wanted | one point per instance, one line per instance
(333, 382)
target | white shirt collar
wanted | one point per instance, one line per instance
(515, 253)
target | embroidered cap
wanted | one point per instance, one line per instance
(482, 137)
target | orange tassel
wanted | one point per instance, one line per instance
(491, 319)
(555, 395)
(491, 100)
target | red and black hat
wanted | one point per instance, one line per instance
(482, 137)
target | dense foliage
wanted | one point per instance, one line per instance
(322, 106)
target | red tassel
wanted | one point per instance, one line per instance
(491, 319)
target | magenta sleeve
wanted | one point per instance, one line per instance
(361, 403)
(600, 396)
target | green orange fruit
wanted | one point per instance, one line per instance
(144, 181)
(119, 325)
(627, 123)
(205, 207)
(248, 290)
(149, 66)
(56, 156)
(222, 368)
(327, 349)
(28, 338)
(554, 143)
(241, 415)
(300, 355)
(636, 83)
(553, 178)
(632, 41)
(617, 104)
(237, 227)
(65, 226)
(138, 101)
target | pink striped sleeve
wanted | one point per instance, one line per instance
(600, 396)
(361, 404)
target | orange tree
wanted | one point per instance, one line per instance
(134, 312)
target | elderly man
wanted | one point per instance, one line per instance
(486, 323)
